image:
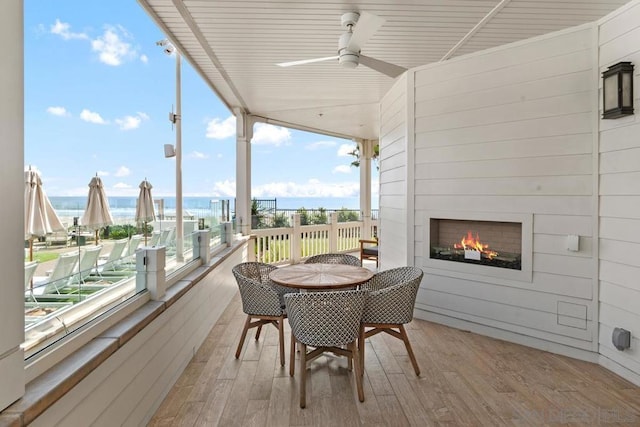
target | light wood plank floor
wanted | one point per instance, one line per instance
(466, 380)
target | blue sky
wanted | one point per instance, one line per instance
(97, 96)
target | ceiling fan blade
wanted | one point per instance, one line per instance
(366, 27)
(387, 68)
(306, 61)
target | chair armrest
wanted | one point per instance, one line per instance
(364, 241)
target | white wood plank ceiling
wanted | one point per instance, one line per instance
(235, 45)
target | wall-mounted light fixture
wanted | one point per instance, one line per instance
(617, 91)
(169, 150)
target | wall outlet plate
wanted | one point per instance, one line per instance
(573, 243)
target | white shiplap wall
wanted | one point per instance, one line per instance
(393, 176)
(508, 130)
(619, 40)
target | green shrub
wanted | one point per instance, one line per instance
(320, 217)
(281, 220)
(304, 216)
(346, 215)
(121, 231)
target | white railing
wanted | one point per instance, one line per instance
(293, 244)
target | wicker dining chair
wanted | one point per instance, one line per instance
(261, 301)
(328, 322)
(333, 259)
(392, 296)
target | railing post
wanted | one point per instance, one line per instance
(202, 245)
(251, 248)
(296, 237)
(150, 274)
(333, 232)
(227, 230)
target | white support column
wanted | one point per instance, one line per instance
(12, 376)
(178, 122)
(244, 133)
(366, 153)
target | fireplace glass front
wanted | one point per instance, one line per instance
(491, 243)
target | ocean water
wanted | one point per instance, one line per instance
(125, 207)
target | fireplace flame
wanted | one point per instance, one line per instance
(474, 244)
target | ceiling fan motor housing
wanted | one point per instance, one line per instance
(349, 19)
(347, 58)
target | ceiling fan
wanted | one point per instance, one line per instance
(351, 42)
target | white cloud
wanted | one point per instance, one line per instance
(270, 135)
(225, 188)
(143, 116)
(144, 58)
(128, 122)
(91, 117)
(123, 171)
(263, 134)
(311, 188)
(320, 144)
(346, 149)
(63, 30)
(58, 111)
(131, 122)
(102, 173)
(342, 169)
(122, 186)
(111, 48)
(221, 129)
(197, 155)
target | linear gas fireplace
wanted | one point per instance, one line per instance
(485, 244)
(492, 243)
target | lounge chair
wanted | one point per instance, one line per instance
(170, 240)
(61, 237)
(29, 270)
(86, 265)
(163, 237)
(111, 261)
(155, 237)
(59, 277)
(134, 242)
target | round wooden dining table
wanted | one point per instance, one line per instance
(316, 277)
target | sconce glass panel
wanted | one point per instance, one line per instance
(617, 91)
(611, 92)
(627, 90)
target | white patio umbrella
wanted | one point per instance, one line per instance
(40, 218)
(144, 206)
(96, 214)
